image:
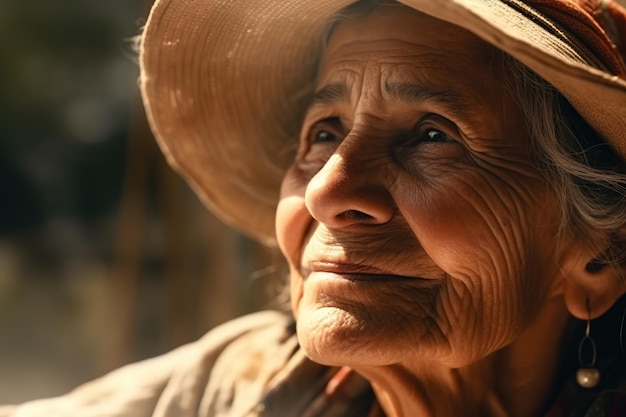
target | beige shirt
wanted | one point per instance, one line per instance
(249, 367)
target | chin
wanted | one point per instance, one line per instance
(335, 337)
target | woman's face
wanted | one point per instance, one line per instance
(414, 222)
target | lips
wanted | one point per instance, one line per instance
(364, 257)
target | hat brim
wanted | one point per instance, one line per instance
(225, 85)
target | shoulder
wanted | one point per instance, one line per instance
(188, 381)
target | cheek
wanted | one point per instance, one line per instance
(292, 223)
(487, 236)
(447, 214)
(292, 217)
(473, 213)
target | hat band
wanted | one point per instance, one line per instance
(569, 42)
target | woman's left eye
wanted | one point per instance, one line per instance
(434, 135)
(435, 129)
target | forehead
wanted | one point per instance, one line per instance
(396, 17)
(393, 44)
(397, 22)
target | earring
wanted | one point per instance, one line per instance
(587, 375)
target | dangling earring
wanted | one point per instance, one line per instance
(587, 375)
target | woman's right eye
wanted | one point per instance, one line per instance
(324, 136)
(328, 130)
(321, 140)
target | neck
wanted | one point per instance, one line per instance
(516, 381)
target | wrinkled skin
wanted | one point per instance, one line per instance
(419, 232)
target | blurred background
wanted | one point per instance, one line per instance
(106, 257)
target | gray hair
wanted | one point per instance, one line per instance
(588, 175)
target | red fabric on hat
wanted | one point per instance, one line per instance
(586, 20)
(618, 16)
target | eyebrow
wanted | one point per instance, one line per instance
(452, 101)
(330, 94)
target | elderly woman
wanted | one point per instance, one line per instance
(453, 202)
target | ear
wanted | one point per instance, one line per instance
(588, 280)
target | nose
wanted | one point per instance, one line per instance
(351, 188)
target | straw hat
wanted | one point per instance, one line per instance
(225, 82)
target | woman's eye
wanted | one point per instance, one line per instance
(328, 130)
(433, 128)
(434, 135)
(324, 136)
